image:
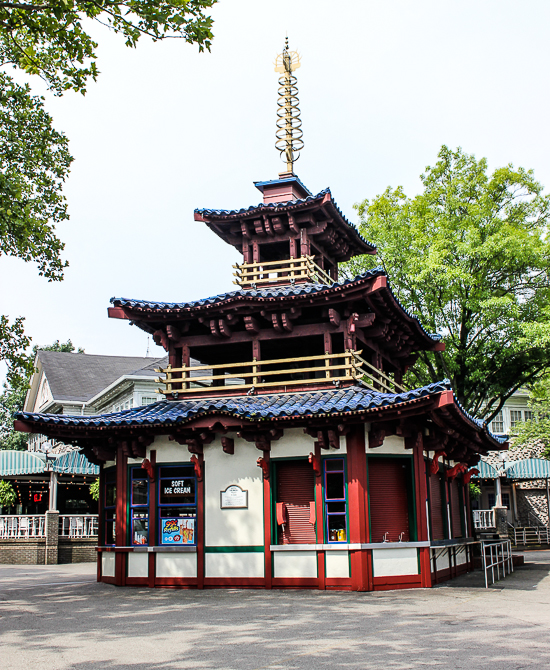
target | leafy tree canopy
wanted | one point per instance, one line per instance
(470, 258)
(49, 37)
(538, 428)
(12, 400)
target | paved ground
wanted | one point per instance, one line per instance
(58, 617)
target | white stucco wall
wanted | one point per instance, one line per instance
(394, 562)
(295, 442)
(176, 565)
(169, 451)
(108, 564)
(234, 564)
(337, 564)
(392, 445)
(289, 564)
(138, 564)
(233, 527)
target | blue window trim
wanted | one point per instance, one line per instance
(110, 478)
(141, 508)
(162, 506)
(326, 500)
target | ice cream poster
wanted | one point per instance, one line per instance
(178, 531)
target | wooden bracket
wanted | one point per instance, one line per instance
(228, 444)
(434, 467)
(198, 465)
(262, 463)
(376, 437)
(468, 475)
(455, 471)
(316, 463)
(149, 469)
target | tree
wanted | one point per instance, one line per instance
(470, 258)
(13, 397)
(537, 428)
(8, 496)
(48, 38)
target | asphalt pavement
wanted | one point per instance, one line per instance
(58, 617)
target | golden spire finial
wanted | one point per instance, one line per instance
(289, 124)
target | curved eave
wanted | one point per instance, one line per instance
(375, 279)
(324, 198)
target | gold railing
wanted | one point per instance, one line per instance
(287, 271)
(307, 370)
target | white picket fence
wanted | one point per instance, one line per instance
(78, 525)
(22, 526)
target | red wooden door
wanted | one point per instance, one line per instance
(436, 508)
(456, 510)
(388, 499)
(295, 488)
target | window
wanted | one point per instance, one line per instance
(295, 502)
(335, 499)
(177, 505)
(491, 499)
(528, 415)
(497, 424)
(515, 417)
(506, 500)
(390, 498)
(109, 524)
(148, 400)
(139, 506)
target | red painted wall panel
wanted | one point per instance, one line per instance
(436, 508)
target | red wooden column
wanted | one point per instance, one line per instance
(200, 524)
(152, 520)
(319, 521)
(121, 515)
(101, 519)
(268, 570)
(360, 560)
(421, 491)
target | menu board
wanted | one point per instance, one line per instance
(233, 497)
(178, 531)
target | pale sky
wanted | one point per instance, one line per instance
(164, 130)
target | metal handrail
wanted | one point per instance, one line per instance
(331, 368)
(496, 556)
(286, 271)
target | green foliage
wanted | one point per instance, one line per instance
(12, 400)
(475, 491)
(470, 258)
(94, 489)
(8, 496)
(538, 428)
(51, 39)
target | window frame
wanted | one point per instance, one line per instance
(139, 508)
(326, 501)
(161, 506)
(109, 511)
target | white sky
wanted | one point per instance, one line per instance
(383, 84)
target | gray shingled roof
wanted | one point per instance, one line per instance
(80, 377)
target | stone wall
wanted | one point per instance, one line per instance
(77, 550)
(535, 502)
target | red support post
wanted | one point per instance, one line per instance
(319, 521)
(267, 526)
(100, 519)
(200, 525)
(360, 560)
(421, 491)
(121, 515)
(152, 519)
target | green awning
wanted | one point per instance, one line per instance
(74, 463)
(530, 468)
(20, 463)
(486, 471)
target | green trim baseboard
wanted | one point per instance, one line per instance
(235, 550)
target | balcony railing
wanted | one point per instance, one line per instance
(484, 518)
(330, 369)
(288, 271)
(22, 526)
(78, 525)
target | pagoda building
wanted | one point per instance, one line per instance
(285, 450)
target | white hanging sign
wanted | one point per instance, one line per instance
(234, 497)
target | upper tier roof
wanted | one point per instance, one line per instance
(140, 309)
(346, 241)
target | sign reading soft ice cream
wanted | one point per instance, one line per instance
(178, 531)
(233, 496)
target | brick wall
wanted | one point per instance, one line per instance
(76, 550)
(23, 552)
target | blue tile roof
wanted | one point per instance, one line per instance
(275, 206)
(266, 294)
(350, 400)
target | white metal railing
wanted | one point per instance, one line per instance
(497, 559)
(529, 535)
(22, 526)
(484, 518)
(78, 525)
